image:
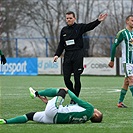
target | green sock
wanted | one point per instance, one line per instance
(59, 101)
(131, 89)
(50, 92)
(18, 119)
(122, 95)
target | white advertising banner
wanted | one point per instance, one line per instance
(98, 66)
(47, 66)
(121, 69)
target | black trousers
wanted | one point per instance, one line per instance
(73, 63)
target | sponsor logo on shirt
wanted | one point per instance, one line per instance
(116, 40)
(77, 120)
(131, 41)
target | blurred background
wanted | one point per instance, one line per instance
(32, 27)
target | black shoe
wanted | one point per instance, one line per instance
(72, 102)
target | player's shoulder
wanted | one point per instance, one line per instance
(65, 27)
(120, 32)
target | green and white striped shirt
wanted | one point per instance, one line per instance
(77, 113)
(123, 37)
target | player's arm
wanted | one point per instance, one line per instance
(0, 52)
(118, 40)
(79, 101)
(89, 26)
(92, 25)
(44, 99)
(3, 59)
(60, 48)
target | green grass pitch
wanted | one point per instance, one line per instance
(102, 92)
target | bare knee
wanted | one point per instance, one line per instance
(130, 79)
(126, 83)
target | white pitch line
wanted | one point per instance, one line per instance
(113, 91)
(83, 89)
(14, 94)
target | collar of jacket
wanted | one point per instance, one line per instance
(71, 26)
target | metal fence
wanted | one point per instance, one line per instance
(95, 46)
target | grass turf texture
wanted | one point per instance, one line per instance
(100, 91)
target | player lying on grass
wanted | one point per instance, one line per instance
(55, 112)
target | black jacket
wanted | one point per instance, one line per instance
(71, 36)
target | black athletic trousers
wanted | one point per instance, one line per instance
(73, 63)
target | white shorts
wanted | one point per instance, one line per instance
(48, 115)
(128, 69)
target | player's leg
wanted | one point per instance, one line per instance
(49, 92)
(67, 71)
(33, 116)
(131, 84)
(123, 93)
(51, 110)
(128, 73)
(77, 84)
(125, 86)
(130, 77)
(15, 120)
(78, 69)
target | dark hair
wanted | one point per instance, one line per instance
(71, 12)
(97, 119)
(127, 18)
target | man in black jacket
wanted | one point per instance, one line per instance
(71, 40)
